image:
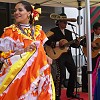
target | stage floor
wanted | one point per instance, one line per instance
(83, 95)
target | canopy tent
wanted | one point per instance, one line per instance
(58, 3)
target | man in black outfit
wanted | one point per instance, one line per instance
(94, 36)
(95, 39)
(59, 37)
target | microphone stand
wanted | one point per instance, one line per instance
(77, 96)
(80, 46)
(79, 22)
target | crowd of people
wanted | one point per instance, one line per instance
(27, 53)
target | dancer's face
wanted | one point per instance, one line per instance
(21, 14)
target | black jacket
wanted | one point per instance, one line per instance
(58, 35)
(83, 42)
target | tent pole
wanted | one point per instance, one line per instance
(79, 22)
(62, 9)
(89, 60)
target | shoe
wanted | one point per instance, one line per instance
(62, 86)
(65, 83)
(73, 96)
(57, 97)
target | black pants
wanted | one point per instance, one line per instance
(84, 79)
(66, 61)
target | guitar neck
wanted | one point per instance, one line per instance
(73, 41)
(69, 43)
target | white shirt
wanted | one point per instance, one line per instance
(63, 31)
(96, 37)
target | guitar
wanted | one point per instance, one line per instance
(94, 50)
(56, 52)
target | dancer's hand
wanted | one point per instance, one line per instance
(49, 60)
(30, 48)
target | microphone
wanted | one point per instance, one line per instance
(71, 24)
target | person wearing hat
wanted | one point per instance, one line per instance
(59, 36)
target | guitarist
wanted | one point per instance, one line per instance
(58, 38)
(94, 36)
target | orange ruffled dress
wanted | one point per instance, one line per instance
(26, 76)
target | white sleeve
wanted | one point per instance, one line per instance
(6, 44)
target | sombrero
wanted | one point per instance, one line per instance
(61, 16)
